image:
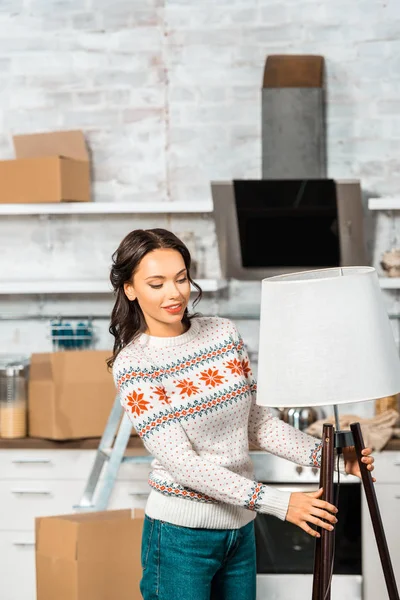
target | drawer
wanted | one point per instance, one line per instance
(387, 467)
(21, 501)
(133, 471)
(17, 565)
(60, 464)
(129, 495)
(46, 464)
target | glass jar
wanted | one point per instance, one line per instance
(13, 401)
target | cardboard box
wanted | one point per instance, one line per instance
(71, 394)
(50, 167)
(89, 556)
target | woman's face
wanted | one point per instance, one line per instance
(162, 290)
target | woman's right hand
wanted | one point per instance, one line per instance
(305, 508)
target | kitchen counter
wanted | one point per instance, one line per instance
(135, 445)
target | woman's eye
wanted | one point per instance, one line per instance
(159, 286)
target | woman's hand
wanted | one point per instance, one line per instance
(305, 508)
(351, 462)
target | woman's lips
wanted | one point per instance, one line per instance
(174, 309)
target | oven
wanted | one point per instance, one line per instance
(285, 553)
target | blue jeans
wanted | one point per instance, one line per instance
(197, 564)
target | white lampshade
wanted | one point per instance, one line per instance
(325, 338)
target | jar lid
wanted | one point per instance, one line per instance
(12, 369)
(12, 359)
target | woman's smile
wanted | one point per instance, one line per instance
(173, 308)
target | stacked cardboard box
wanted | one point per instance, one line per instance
(49, 167)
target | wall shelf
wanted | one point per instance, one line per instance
(389, 283)
(84, 287)
(102, 208)
(389, 203)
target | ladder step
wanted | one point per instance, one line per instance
(81, 508)
(128, 458)
(138, 459)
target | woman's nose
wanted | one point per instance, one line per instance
(172, 290)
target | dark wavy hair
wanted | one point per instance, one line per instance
(127, 319)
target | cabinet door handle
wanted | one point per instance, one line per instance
(397, 496)
(138, 494)
(34, 492)
(397, 464)
(23, 543)
(31, 461)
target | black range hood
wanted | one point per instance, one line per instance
(268, 227)
(287, 223)
(294, 218)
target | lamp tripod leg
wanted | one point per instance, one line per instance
(324, 545)
(375, 515)
(316, 589)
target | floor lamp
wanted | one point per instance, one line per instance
(325, 338)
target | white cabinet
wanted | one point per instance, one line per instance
(21, 501)
(387, 469)
(42, 483)
(45, 464)
(17, 565)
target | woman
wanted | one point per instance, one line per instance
(186, 384)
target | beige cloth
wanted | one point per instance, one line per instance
(376, 431)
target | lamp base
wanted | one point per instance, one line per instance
(323, 560)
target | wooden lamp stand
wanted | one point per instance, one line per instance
(324, 548)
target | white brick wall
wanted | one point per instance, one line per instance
(168, 94)
(168, 91)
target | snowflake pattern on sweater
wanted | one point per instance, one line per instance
(191, 399)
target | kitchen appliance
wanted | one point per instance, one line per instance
(285, 553)
(300, 417)
(294, 218)
(272, 226)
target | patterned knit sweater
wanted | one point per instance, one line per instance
(191, 398)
